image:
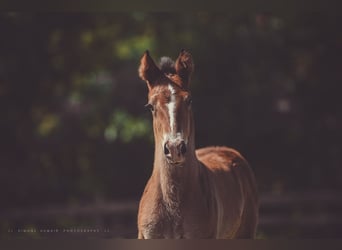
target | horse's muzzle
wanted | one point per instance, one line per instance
(174, 151)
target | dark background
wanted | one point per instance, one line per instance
(74, 131)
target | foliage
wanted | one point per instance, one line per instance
(73, 123)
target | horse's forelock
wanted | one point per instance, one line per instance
(167, 65)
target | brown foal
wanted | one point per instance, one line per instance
(205, 193)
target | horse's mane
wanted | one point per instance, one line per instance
(167, 65)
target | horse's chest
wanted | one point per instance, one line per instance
(174, 223)
(162, 223)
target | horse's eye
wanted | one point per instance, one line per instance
(150, 107)
(188, 100)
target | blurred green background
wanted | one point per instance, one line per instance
(74, 130)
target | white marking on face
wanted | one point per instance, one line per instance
(172, 109)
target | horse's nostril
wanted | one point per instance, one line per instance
(183, 148)
(166, 150)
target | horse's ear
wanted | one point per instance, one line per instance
(148, 71)
(184, 67)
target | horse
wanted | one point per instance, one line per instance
(206, 193)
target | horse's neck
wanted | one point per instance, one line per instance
(175, 181)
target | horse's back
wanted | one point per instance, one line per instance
(233, 184)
